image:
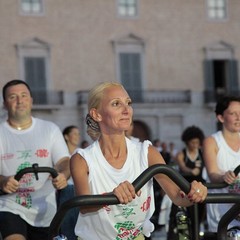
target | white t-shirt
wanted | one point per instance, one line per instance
(117, 222)
(42, 143)
(227, 159)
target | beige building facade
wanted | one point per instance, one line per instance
(174, 57)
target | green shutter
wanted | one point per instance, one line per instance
(209, 81)
(232, 81)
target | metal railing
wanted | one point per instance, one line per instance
(149, 96)
(215, 95)
(47, 97)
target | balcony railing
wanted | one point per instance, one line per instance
(214, 96)
(42, 97)
(148, 96)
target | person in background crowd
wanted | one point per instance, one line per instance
(173, 152)
(27, 209)
(129, 133)
(221, 153)
(111, 163)
(72, 137)
(190, 162)
(157, 144)
(84, 144)
(165, 153)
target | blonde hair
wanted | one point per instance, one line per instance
(94, 101)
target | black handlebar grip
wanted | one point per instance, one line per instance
(164, 169)
(237, 170)
(111, 199)
(35, 169)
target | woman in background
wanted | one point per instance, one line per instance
(222, 155)
(72, 137)
(190, 163)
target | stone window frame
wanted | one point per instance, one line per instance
(127, 6)
(31, 11)
(217, 8)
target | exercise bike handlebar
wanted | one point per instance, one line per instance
(224, 198)
(210, 185)
(111, 199)
(34, 169)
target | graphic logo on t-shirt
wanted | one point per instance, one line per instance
(146, 204)
(24, 154)
(42, 153)
(235, 186)
(6, 156)
(126, 212)
(23, 196)
(127, 230)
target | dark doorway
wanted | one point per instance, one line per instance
(220, 75)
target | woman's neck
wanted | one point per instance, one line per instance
(114, 150)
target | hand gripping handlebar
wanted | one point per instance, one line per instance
(34, 169)
(232, 213)
(111, 199)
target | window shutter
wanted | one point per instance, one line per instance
(35, 75)
(232, 83)
(130, 73)
(209, 81)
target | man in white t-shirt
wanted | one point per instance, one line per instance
(28, 207)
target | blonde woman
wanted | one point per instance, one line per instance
(111, 163)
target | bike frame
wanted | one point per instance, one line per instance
(111, 199)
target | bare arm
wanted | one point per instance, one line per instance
(125, 191)
(181, 163)
(171, 189)
(63, 169)
(79, 172)
(210, 151)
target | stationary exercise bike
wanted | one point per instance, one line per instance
(33, 169)
(91, 200)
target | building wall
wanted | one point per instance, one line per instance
(81, 36)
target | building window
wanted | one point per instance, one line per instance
(217, 9)
(32, 7)
(131, 73)
(127, 8)
(220, 71)
(35, 76)
(34, 61)
(129, 53)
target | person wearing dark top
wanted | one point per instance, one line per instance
(190, 162)
(165, 153)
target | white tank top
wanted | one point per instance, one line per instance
(117, 221)
(227, 159)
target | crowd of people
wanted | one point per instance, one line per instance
(107, 165)
(206, 159)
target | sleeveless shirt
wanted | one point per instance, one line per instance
(122, 221)
(227, 159)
